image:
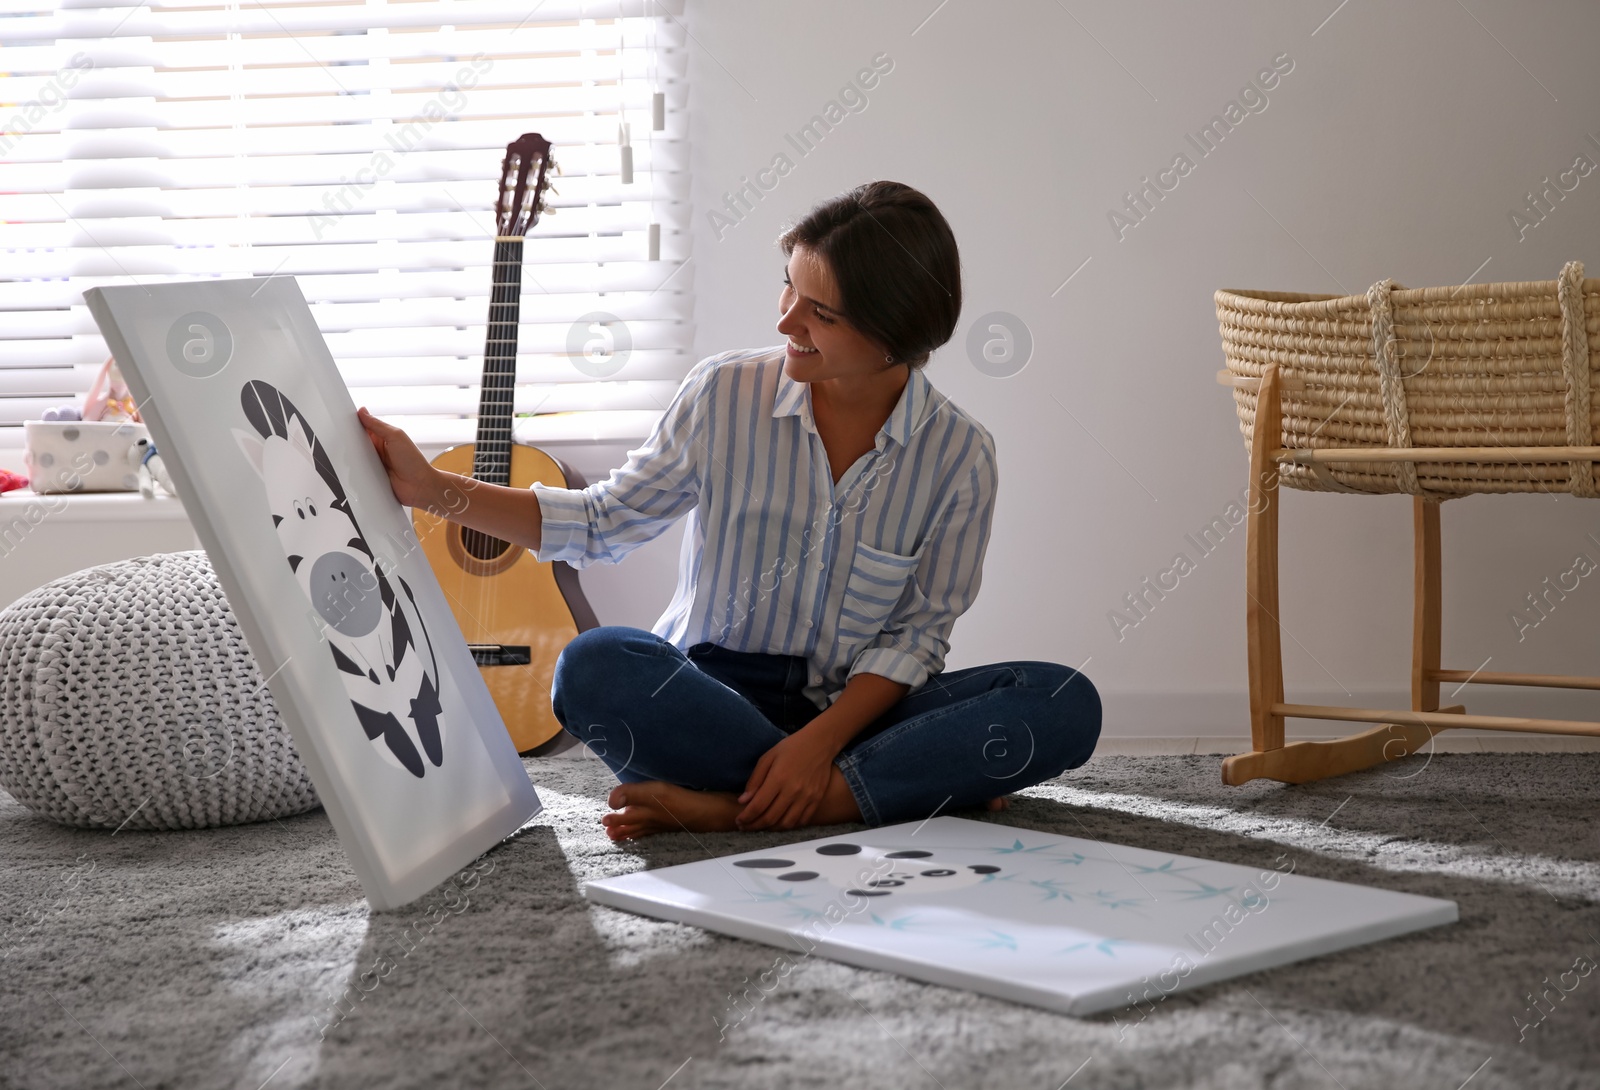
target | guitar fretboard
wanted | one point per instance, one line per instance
(491, 461)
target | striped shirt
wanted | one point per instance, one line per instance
(868, 575)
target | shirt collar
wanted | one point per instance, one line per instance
(794, 399)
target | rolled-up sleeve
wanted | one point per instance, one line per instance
(659, 483)
(912, 646)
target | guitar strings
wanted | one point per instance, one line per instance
(492, 452)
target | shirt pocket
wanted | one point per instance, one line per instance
(877, 580)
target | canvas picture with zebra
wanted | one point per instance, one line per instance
(376, 636)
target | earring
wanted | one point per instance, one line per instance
(888, 359)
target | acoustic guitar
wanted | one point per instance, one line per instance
(516, 612)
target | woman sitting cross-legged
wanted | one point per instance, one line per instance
(839, 508)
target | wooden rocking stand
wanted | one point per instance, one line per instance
(1400, 733)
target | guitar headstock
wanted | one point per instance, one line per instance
(523, 183)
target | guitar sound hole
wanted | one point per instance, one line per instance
(481, 546)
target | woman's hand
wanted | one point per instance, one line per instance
(788, 783)
(416, 483)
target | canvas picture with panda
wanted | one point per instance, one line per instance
(1072, 925)
(322, 568)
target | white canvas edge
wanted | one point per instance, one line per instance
(619, 893)
(1439, 913)
(382, 891)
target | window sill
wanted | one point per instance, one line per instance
(592, 443)
(102, 507)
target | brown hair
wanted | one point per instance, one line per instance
(895, 260)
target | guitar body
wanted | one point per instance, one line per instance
(516, 613)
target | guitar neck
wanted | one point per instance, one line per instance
(491, 460)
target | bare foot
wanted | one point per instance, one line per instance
(656, 807)
(653, 806)
(996, 805)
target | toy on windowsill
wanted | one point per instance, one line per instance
(143, 456)
(108, 397)
(10, 482)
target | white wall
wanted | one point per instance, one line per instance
(1397, 146)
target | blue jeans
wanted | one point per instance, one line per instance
(702, 720)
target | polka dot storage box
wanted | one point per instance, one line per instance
(81, 455)
(129, 699)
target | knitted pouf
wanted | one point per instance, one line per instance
(129, 699)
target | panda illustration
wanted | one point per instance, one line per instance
(865, 871)
(371, 631)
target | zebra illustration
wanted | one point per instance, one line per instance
(372, 632)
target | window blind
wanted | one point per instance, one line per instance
(355, 146)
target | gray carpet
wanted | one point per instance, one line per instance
(211, 959)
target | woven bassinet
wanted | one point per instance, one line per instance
(1508, 364)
